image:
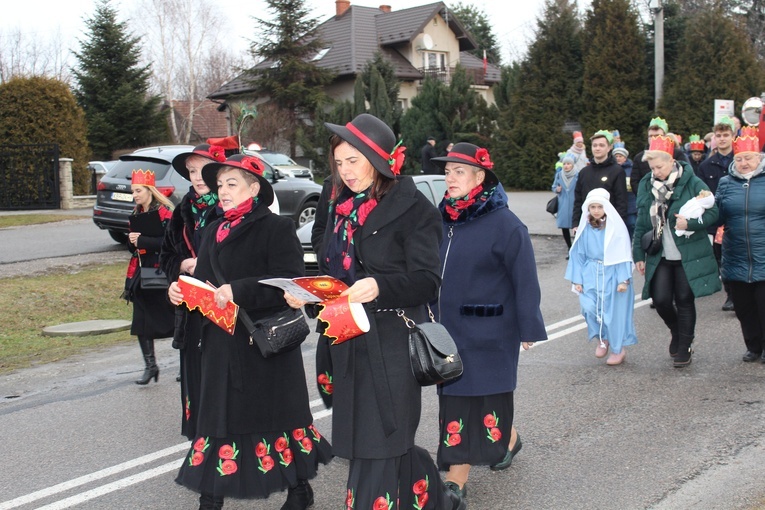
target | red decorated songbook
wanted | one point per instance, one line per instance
(201, 296)
(344, 320)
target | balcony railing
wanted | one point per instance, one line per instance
(445, 74)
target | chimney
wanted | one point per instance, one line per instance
(385, 8)
(341, 6)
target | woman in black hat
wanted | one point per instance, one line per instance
(179, 256)
(490, 303)
(255, 432)
(381, 238)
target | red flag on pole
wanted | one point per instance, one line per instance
(485, 63)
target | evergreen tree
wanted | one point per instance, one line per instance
(112, 87)
(477, 24)
(294, 82)
(454, 112)
(714, 62)
(379, 104)
(41, 110)
(544, 97)
(420, 121)
(615, 88)
(359, 100)
(391, 86)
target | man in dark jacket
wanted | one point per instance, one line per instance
(604, 172)
(710, 171)
(427, 153)
(657, 127)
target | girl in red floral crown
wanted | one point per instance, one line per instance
(381, 238)
(152, 314)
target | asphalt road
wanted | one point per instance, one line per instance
(79, 434)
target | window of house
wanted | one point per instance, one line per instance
(321, 54)
(433, 60)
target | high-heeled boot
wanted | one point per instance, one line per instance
(299, 497)
(151, 370)
(207, 502)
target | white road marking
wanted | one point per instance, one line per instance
(170, 466)
(65, 486)
(113, 486)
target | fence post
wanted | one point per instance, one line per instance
(66, 190)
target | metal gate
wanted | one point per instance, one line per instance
(29, 177)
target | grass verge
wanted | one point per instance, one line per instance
(20, 220)
(30, 304)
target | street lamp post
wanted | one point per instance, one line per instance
(658, 34)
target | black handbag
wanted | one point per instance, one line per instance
(651, 241)
(552, 205)
(432, 351)
(152, 278)
(278, 333)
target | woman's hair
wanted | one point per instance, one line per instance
(247, 176)
(158, 197)
(380, 183)
(651, 155)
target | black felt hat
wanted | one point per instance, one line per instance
(375, 140)
(211, 152)
(250, 164)
(472, 155)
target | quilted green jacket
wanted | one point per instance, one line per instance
(695, 251)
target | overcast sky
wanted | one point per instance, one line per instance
(513, 21)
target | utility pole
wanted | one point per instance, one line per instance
(658, 33)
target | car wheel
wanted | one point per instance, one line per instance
(120, 237)
(307, 213)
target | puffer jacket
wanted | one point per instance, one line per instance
(742, 211)
(696, 252)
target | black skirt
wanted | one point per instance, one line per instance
(191, 374)
(474, 430)
(409, 481)
(254, 465)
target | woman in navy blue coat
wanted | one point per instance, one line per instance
(490, 303)
(741, 199)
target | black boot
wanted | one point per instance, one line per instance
(684, 352)
(674, 342)
(207, 502)
(151, 370)
(299, 497)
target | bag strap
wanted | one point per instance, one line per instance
(409, 322)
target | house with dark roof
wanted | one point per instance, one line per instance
(202, 119)
(421, 41)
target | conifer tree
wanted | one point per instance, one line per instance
(379, 104)
(294, 82)
(391, 87)
(544, 95)
(454, 112)
(359, 101)
(715, 61)
(112, 87)
(615, 88)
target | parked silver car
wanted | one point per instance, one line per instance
(432, 186)
(297, 198)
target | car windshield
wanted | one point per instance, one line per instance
(277, 159)
(124, 169)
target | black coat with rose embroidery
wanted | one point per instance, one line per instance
(376, 400)
(242, 392)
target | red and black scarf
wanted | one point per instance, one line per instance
(457, 207)
(351, 212)
(234, 217)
